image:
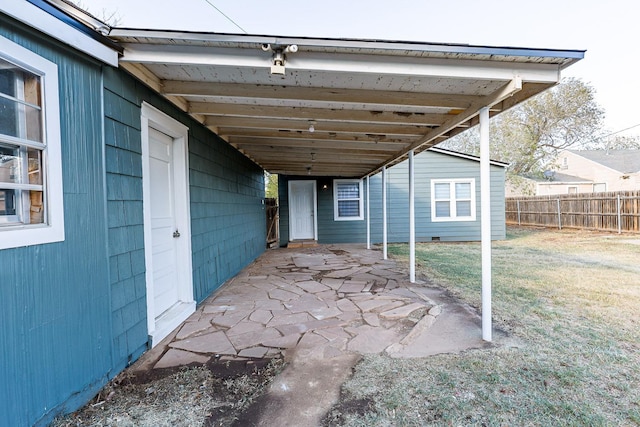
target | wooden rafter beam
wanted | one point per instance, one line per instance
(230, 132)
(358, 96)
(302, 113)
(299, 125)
(249, 143)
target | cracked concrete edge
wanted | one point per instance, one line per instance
(423, 324)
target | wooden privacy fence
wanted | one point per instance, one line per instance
(612, 211)
(273, 230)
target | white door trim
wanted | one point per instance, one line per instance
(312, 183)
(154, 118)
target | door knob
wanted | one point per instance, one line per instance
(176, 233)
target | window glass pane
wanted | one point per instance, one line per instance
(463, 208)
(442, 209)
(32, 124)
(442, 190)
(9, 117)
(7, 202)
(35, 166)
(8, 78)
(18, 83)
(350, 190)
(36, 199)
(10, 165)
(20, 103)
(20, 120)
(463, 190)
(348, 208)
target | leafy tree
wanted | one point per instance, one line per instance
(271, 190)
(109, 17)
(530, 135)
(618, 142)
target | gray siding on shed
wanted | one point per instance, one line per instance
(429, 165)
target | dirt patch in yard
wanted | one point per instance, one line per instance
(211, 395)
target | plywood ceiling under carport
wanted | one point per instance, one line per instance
(370, 102)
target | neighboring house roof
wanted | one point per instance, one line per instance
(465, 156)
(624, 161)
(559, 178)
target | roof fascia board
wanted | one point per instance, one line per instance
(465, 156)
(340, 62)
(41, 20)
(353, 43)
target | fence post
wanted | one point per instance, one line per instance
(518, 205)
(559, 215)
(619, 216)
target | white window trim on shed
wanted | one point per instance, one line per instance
(453, 199)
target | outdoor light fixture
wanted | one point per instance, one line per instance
(308, 170)
(312, 126)
(279, 57)
(313, 157)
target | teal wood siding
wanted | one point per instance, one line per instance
(228, 219)
(55, 346)
(329, 230)
(228, 224)
(123, 160)
(429, 165)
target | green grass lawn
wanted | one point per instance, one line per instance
(571, 298)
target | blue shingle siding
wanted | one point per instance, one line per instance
(55, 346)
(74, 312)
(123, 163)
(429, 165)
(228, 224)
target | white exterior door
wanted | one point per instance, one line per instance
(164, 233)
(302, 210)
(167, 230)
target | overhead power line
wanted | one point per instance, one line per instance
(622, 130)
(228, 18)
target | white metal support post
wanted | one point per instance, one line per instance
(368, 216)
(384, 212)
(412, 221)
(485, 212)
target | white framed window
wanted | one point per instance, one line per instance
(453, 199)
(31, 202)
(347, 200)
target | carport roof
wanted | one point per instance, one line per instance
(341, 107)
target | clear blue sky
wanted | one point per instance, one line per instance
(608, 30)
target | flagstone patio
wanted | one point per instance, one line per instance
(310, 302)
